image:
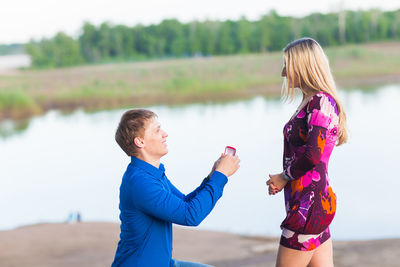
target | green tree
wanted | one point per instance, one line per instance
(225, 42)
(244, 34)
(89, 40)
(60, 51)
(171, 31)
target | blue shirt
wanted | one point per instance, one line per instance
(149, 204)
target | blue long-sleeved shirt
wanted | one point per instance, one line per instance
(149, 204)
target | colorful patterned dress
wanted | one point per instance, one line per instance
(310, 202)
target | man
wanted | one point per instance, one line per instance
(149, 203)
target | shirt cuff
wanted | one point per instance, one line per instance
(218, 178)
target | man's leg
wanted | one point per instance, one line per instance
(178, 263)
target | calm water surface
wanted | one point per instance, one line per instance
(65, 163)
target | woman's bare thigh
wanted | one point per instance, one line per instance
(288, 257)
(323, 255)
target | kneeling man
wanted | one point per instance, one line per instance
(149, 202)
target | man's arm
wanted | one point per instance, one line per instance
(150, 196)
(194, 192)
(189, 196)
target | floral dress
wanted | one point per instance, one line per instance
(309, 138)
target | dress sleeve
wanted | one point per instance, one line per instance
(152, 198)
(319, 114)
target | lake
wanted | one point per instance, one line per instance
(60, 163)
(9, 62)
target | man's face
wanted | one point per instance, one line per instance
(155, 139)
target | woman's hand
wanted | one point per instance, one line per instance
(276, 183)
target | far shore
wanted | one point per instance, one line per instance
(93, 244)
(25, 93)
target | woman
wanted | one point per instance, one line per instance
(309, 137)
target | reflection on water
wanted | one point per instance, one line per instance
(9, 128)
(68, 163)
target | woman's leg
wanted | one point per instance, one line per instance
(323, 255)
(288, 257)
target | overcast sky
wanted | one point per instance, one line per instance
(21, 20)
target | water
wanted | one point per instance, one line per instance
(9, 62)
(57, 164)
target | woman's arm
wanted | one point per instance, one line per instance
(320, 112)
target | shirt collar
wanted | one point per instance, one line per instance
(147, 167)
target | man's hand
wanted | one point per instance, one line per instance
(227, 164)
(276, 183)
(215, 165)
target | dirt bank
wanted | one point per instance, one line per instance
(93, 244)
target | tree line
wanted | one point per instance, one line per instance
(11, 49)
(171, 38)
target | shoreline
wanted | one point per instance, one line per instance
(270, 91)
(29, 92)
(93, 244)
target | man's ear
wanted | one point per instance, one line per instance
(139, 142)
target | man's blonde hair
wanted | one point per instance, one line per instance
(132, 125)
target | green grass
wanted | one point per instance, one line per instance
(17, 103)
(182, 80)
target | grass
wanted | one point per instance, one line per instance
(29, 92)
(16, 103)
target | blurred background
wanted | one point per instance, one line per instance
(211, 71)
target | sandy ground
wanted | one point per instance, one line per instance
(93, 244)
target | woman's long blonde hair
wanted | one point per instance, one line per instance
(307, 64)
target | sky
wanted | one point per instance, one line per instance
(22, 20)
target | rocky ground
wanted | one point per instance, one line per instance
(93, 244)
